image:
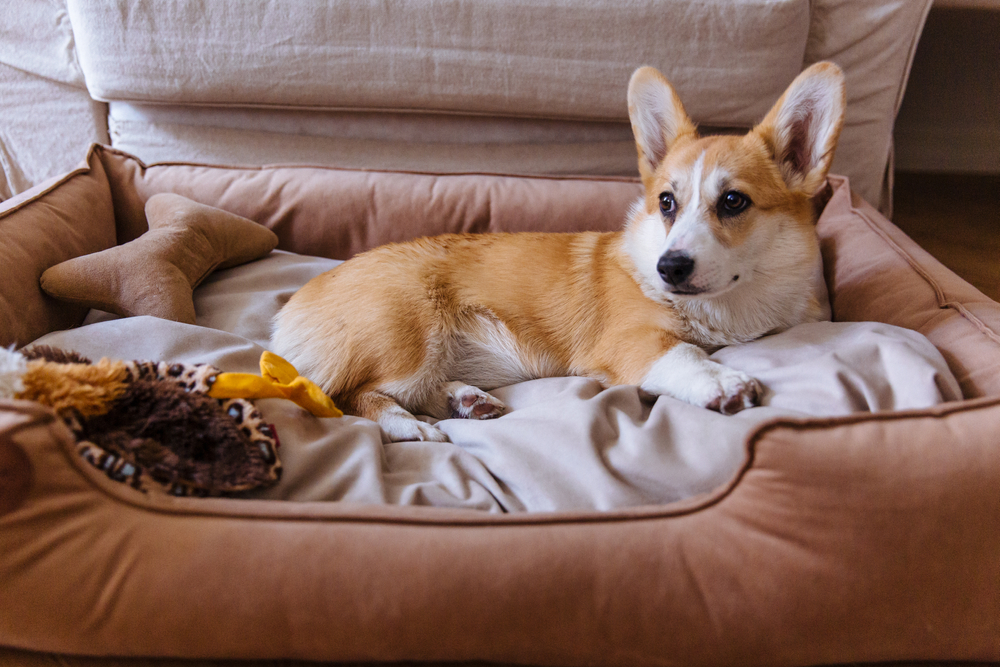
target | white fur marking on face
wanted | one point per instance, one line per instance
(686, 373)
(713, 183)
(645, 242)
(689, 224)
(692, 231)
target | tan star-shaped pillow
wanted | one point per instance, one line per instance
(156, 273)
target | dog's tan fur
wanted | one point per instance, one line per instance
(425, 326)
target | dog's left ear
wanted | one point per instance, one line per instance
(803, 126)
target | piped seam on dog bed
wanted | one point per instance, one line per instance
(84, 169)
(939, 294)
(499, 174)
(382, 514)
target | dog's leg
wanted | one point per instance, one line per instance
(685, 372)
(397, 424)
(468, 402)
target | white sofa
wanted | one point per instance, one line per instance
(458, 85)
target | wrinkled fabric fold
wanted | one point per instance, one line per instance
(565, 443)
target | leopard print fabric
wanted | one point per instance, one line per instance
(196, 378)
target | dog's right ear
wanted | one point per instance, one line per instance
(658, 118)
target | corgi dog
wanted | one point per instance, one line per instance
(720, 249)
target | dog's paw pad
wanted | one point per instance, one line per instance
(467, 402)
(737, 391)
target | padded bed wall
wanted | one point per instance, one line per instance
(864, 538)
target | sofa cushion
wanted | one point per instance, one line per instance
(428, 142)
(540, 60)
(48, 117)
(536, 59)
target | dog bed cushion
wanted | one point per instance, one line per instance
(566, 443)
(866, 537)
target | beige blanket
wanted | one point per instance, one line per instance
(565, 444)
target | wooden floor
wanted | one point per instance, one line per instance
(957, 219)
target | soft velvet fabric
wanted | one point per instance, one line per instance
(156, 273)
(565, 443)
(831, 540)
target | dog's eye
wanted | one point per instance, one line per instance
(733, 203)
(668, 206)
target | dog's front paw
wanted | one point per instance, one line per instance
(686, 373)
(732, 391)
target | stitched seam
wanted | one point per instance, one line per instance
(65, 179)
(430, 111)
(939, 295)
(979, 324)
(156, 503)
(535, 177)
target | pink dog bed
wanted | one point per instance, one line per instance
(868, 533)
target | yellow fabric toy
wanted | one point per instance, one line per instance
(277, 379)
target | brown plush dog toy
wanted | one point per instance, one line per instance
(150, 425)
(156, 273)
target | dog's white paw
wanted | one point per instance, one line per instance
(401, 426)
(730, 391)
(686, 373)
(468, 402)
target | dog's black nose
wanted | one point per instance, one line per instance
(675, 267)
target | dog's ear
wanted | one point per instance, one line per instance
(658, 118)
(802, 127)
